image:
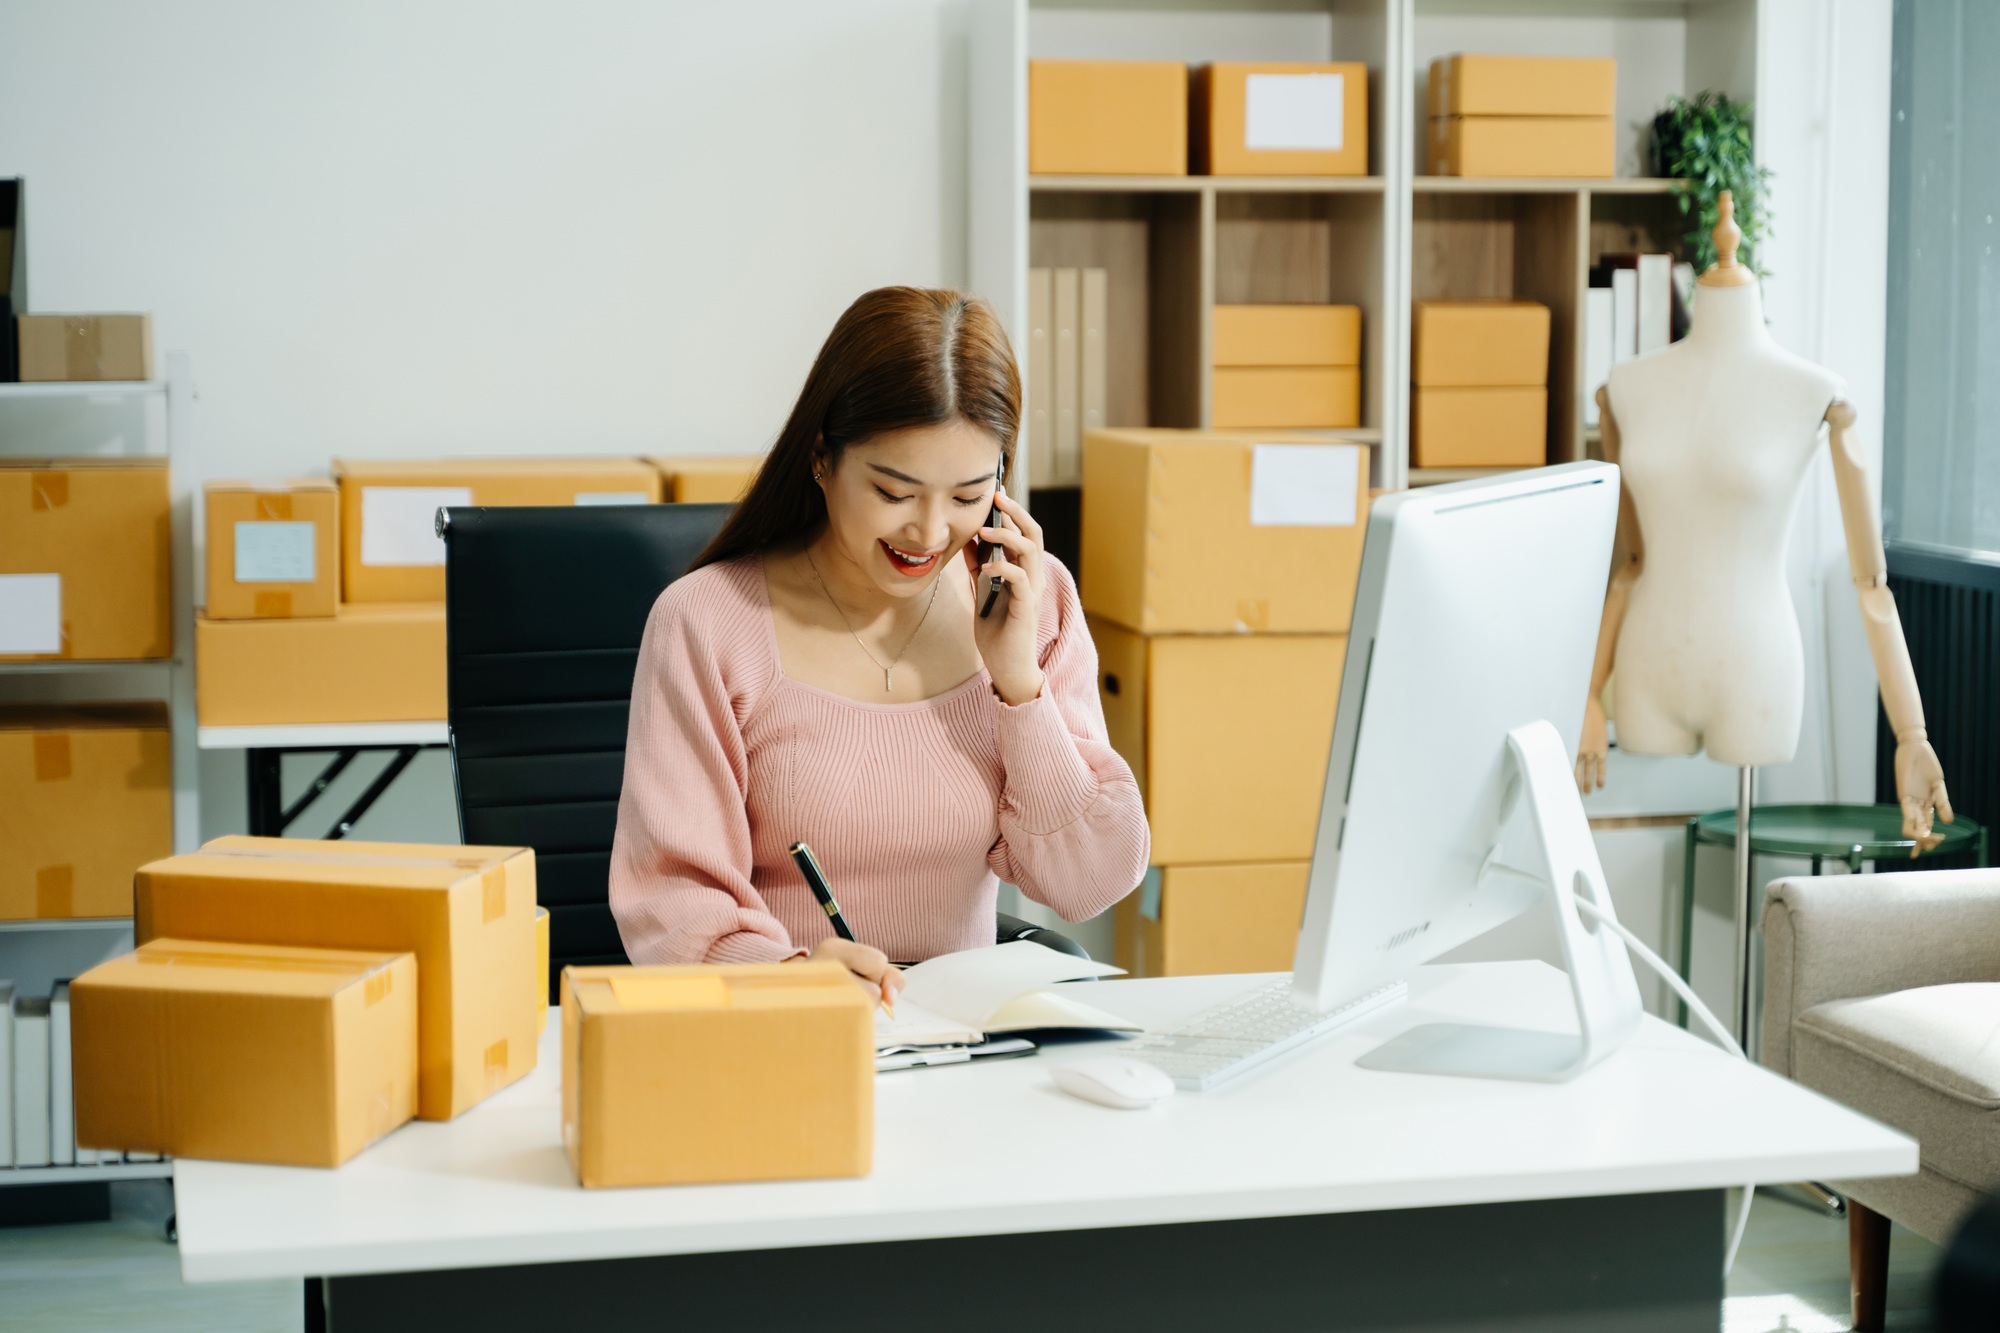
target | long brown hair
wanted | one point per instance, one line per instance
(898, 357)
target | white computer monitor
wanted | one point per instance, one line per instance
(1476, 614)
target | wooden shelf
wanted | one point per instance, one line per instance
(1544, 185)
(86, 389)
(1209, 184)
(1438, 476)
(83, 1175)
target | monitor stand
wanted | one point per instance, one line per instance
(1600, 971)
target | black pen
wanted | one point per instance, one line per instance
(802, 856)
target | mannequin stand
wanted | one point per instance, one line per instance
(1745, 788)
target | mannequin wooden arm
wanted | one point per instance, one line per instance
(1593, 749)
(1919, 778)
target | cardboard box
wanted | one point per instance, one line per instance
(362, 664)
(1287, 397)
(707, 479)
(1475, 85)
(1280, 119)
(85, 559)
(1207, 920)
(1498, 427)
(389, 547)
(1228, 735)
(1516, 146)
(56, 348)
(1485, 344)
(467, 913)
(273, 551)
(1222, 532)
(687, 1075)
(1287, 335)
(86, 798)
(244, 1053)
(1108, 117)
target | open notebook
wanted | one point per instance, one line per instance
(959, 998)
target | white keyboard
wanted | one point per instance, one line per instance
(1218, 1044)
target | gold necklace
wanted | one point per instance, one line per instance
(887, 669)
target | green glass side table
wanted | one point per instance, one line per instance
(1848, 833)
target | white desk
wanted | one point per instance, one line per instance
(322, 735)
(993, 1150)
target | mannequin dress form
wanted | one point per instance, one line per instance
(1714, 435)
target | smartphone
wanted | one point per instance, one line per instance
(996, 587)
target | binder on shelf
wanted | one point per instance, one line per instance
(1597, 347)
(6, 1073)
(62, 1105)
(1624, 315)
(1654, 296)
(1068, 372)
(1041, 377)
(1096, 286)
(31, 1082)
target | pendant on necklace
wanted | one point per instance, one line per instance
(888, 681)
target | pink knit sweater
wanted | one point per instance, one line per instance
(912, 809)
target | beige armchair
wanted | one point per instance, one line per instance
(1883, 992)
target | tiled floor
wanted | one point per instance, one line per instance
(122, 1275)
(1792, 1274)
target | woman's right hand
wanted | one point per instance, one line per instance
(1594, 748)
(869, 967)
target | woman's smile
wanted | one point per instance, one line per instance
(911, 564)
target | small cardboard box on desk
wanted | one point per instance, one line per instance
(273, 551)
(244, 1053)
(86, 797)
(467, 913)
(85, 557)
(689, 1075)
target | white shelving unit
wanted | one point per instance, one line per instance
(151, 418)
(1184, 244)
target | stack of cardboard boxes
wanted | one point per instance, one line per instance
(86, 792)
(1523, 116)
(1231, 118)
(1287, 366)
(1480, 372)
(1219, 580)
(325, 599)
(294, 1001)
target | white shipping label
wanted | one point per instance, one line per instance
(399, 523)
(613, 498)
(268, 551)
(1305, 485)
(30, 613)
(1295, 112)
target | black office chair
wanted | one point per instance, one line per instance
(544, 609)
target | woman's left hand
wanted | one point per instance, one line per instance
(1007, 643)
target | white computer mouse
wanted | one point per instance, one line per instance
(1114, 1080)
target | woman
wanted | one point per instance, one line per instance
(822, 675)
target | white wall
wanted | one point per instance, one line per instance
(459, 227)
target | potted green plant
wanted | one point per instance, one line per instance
(1706, 141)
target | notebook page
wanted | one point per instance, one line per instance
(969, 986)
